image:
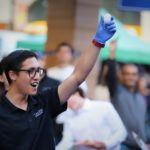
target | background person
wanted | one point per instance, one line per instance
(108, 68)
(130, 105)
(65, 67)
(90, 125)
(46, 82)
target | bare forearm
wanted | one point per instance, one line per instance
(82, 69)
(87, 60)
(86, 63)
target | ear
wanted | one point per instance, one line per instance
(12, 75)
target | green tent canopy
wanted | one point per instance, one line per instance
(33, 42)
(129, 47)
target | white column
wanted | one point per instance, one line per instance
(5, 7)
(145, 25)
(86, 20)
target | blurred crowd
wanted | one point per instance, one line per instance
(119, 117)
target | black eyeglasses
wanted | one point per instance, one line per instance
(32, 71)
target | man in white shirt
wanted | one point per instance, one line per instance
(90, 125)
(64, 54)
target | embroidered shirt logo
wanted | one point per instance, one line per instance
(38, 113)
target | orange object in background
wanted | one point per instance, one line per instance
(36, 27)
(3, 26)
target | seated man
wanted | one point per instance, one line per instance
(90, 125)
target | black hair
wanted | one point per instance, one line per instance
(65, 44)
(14, 61)
(130, 64)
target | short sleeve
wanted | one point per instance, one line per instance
(51, 98)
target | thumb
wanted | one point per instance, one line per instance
(101, 23)
(102, 20)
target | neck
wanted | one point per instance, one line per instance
(17, 99)
(131, 89)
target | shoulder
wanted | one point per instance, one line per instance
(70, 67)
(65, 116)
(99, 105)
(51, 80)
(121, 93)
(49, 93)
(141, 99)
(50, 99)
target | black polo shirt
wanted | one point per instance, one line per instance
(31, 129)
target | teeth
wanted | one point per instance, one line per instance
(34, 84)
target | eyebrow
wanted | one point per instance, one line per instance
(31, 67)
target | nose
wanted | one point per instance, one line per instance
(37, 75)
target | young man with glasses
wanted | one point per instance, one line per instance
(25, 116)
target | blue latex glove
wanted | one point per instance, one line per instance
(105, 30)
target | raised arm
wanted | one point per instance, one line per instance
(86, 62)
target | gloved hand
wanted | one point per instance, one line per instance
(105, 31)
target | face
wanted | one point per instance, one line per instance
(129, 76)
(64, 55)
(25, 82)
(74, 102)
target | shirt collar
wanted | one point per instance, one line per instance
(31, 102)
(8, 105)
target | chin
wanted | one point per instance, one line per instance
(132, 85)
(33, 93)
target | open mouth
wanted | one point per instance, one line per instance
(35, 84)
